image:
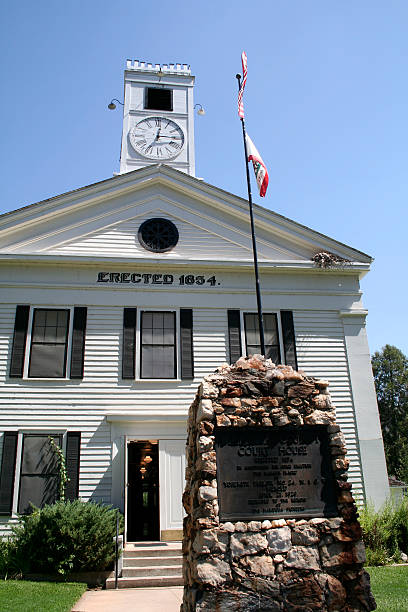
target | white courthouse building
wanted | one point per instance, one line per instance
(118, 297)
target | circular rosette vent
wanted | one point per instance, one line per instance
(158, 235)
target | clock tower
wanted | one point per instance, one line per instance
(158, 117)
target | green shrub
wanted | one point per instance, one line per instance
(378, 556)
(400, 524)
(65, 537)
(385, 533)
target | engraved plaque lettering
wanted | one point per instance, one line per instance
(266, 473)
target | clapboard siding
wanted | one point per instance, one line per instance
(321, 352)
(122, 240)
(210, 340)
(82, 404)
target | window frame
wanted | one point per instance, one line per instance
(19, 457)
(177, 351)
(279, 329)
(28, 346)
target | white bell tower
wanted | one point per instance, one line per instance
(158, 117)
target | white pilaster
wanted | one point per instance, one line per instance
(365, 405)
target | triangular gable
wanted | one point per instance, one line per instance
(199, 238)
(103, 220)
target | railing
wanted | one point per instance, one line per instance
(118, 539)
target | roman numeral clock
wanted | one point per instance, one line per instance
(158, 117)
(157, 138)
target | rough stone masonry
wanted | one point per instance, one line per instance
(293, 564)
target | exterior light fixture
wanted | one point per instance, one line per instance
(112, 104)
(148, 459)
(200, 111)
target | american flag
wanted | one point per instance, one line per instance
(243, 83)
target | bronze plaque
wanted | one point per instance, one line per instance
(267, 473)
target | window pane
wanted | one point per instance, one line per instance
(51, 318)
(168, 320)
(270, 329)
(38, 334)
(273, 352)
(147, 319)
(253, 349)
(163, 360)
(38, 456)
(147, 362)
(158, 362)
(47, 361)
(39, 490)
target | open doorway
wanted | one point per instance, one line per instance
(143, 491)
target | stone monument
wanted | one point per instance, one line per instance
(271, 522)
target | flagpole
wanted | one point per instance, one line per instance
(254, 250)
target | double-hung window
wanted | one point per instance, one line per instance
(49, 343)
(30, 470)
(158, 345)
(279, 334)
(39, 474)
(271, 335)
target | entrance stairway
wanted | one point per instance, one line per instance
(150, 564)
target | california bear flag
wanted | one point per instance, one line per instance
(261, 173)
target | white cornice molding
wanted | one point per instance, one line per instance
(347, 314)
(180, 290)
(264, 265)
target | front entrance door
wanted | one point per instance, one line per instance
(143, 491)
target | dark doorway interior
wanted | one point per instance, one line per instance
(143, 491)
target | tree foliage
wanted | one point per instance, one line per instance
(390, 368)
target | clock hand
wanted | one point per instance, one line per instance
(170, 137)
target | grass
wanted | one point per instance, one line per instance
(390, 587)
(26, 596)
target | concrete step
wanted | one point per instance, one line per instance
(152, 561)
(151, 551)
(158, 570)
(154, 581)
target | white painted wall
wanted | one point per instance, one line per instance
(105, 408)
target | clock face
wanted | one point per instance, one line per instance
(157, 138)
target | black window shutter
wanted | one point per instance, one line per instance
(129, 343)
(288, 332)
(186, 343)
(234, 335)
(78, 342)
(72, 463)
(19, 342)
(8, 466)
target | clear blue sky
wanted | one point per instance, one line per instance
(326, 105)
